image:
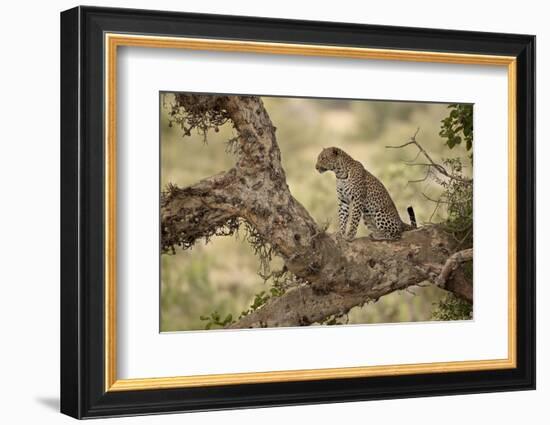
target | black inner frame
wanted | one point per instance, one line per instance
(82, 212)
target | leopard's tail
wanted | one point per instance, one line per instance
(412, 218)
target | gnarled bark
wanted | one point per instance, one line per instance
(336, 275)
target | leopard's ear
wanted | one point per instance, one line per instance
(335, 151)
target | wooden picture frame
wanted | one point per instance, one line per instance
(90, 39)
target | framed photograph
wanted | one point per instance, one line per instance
(261, 212)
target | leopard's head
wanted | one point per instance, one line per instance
(330, 159)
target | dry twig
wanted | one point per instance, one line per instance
(431, 163)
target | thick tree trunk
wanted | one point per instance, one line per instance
(335, 275)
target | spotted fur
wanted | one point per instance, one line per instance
(360, 194)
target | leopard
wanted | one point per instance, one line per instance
(361, 194)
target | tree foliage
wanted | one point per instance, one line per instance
(458, 198)
(458, 126)
(452, 308)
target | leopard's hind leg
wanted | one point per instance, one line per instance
(384, 228)
(368, 219)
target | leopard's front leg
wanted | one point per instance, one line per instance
(343, 213)
(356, 212)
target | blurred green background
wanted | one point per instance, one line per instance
(223, 276)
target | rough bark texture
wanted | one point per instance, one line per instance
(336, 275)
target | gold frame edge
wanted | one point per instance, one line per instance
(113, 41)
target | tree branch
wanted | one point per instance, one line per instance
(364, 271)
(210, 207)
(458, 284)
